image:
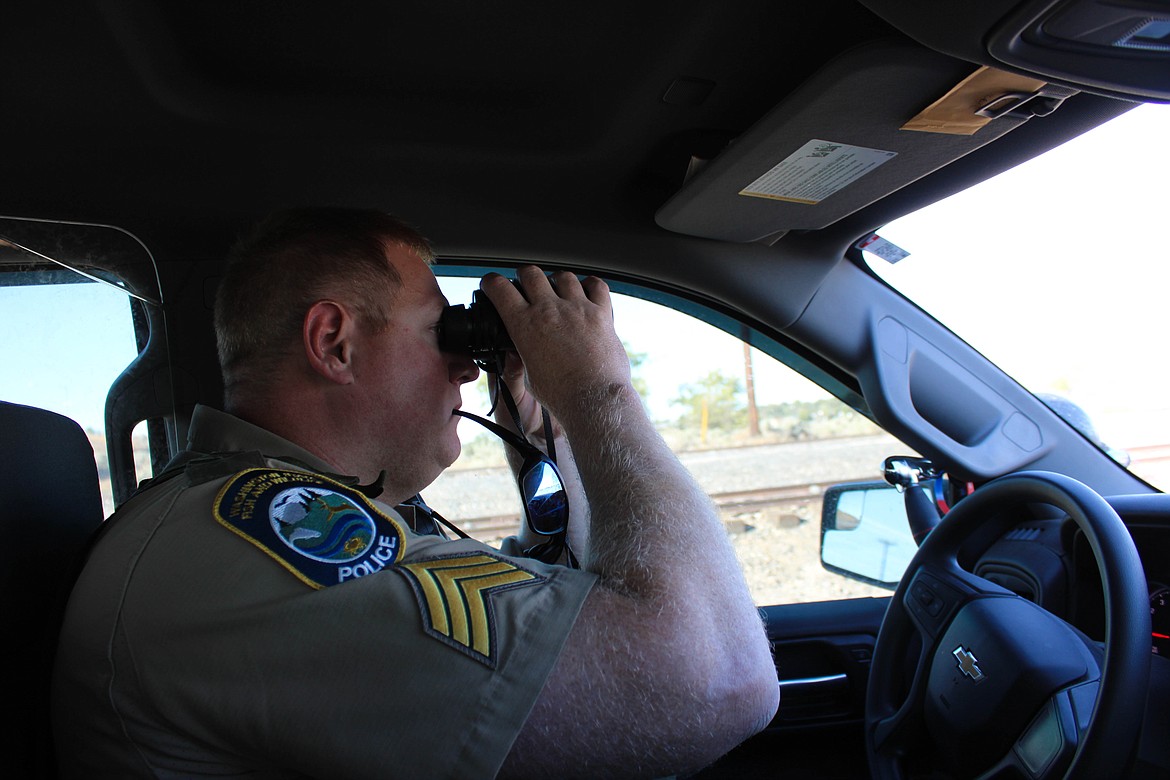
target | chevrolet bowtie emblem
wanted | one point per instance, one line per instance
(968, 663)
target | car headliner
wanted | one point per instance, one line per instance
(520, 130)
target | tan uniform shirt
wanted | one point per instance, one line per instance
(251, 617)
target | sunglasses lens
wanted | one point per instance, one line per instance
(544, 498)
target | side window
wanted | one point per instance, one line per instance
(66, 340)
(761, 438)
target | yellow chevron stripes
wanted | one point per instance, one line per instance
(454, 594)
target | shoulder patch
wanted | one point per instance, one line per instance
(455, 595)
(320, 530)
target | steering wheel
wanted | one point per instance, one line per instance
(997, 683)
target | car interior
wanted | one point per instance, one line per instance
(730, 160)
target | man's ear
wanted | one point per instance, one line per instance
(328, 332)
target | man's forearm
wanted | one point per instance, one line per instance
(663, 555)
(654, 532)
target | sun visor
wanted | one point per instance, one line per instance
(874, 120)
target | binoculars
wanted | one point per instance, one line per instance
(476, 330)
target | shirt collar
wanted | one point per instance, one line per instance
(215, 431)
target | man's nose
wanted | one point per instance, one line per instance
(463, 369)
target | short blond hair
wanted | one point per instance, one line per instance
(289, 261)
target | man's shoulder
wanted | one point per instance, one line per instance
(320, 529)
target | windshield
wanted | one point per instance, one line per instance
(1059, 271)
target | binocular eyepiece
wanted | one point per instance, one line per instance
(476, 330)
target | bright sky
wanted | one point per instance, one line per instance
(63, 346)
(1066, 284)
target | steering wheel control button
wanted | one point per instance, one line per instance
(930, 601)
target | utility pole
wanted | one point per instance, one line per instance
(750, 384)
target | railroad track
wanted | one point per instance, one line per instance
(744, 501)
(760, 497)
(739, 501)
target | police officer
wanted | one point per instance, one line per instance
(264, 608)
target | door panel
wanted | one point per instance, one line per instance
(822, 653)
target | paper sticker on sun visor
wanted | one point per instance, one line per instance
(815, 171)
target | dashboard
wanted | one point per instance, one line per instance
(1047, 560)
(1148, 519)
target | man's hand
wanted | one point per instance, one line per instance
(563, 331)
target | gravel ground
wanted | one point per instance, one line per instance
(778, 546)
(780, 554)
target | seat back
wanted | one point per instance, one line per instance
(50, 504)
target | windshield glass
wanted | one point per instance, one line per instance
(1058, 271)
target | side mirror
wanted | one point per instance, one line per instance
(864, 533)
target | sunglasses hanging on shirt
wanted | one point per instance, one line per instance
(546, 503)
(542, 491)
